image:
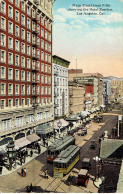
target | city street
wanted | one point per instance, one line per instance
(14, 182)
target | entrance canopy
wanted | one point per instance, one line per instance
(33, 137)
(22, 142)
(64, 123)
(44, 129)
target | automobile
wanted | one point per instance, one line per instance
(86, 163)
(82, 178)
(93, 144)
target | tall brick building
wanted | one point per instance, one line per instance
(25, 67)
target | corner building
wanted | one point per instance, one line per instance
(25, 67)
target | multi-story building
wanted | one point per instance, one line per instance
(99, 83)
(106, 91)
(25, 67)
(76, 97)
(60, 85)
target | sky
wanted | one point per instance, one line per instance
(96, 41)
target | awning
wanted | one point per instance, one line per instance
(44, 129)
(64, 123)
(22, 142)
(33, 137)
(84, 113)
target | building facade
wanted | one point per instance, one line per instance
(106, 91)
(60, 86)
(76, 97)
(25, 67)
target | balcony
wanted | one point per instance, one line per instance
(35, 19)
(35, 31)
(56, 105)
(56, 73)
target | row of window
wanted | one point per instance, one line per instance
(35, 42)
(35, 29)
(60, 72)
(61, 82)
(7, 123)
(22, 102)
(21, 89)
(35, 77)
(35, 55)
(34, 15)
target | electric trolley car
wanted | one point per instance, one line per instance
(56, 148)
(66, 160)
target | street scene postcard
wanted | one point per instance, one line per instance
(61, 96)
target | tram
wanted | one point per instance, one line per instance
(55, 149)
(66, 160)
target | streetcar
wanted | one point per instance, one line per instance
(66, 160)
(55, 149)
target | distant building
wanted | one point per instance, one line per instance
(60, 85)
(106, 91)
(76, 97)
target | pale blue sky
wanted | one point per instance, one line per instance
(96, 41)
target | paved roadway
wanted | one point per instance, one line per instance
(35, 169)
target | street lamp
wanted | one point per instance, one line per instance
(97, 180)
(11, 154)
(59, 124)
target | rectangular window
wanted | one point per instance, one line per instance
(22, 89)
(28, 89)
(28, 76)
(3, 23)
(42, 90)
(28, 50)
(22, 102)
(28, 63)
(3, 88)
(28, 102)
(22, 47)
(17, 74)
(10, 73)
(10, 27)
(22, 61)
(22, 75)
(16, 16)
(16, 60)
(6, 124)
(28, 23)
(16, 89)
(30, 118)
(2, 104)
(42, 67)
(3, 56)
(28, 10)
(17, 3)
(3, 72)
(3, 7)
(23, 6)
(17, 45)
(42, 44)
(10, 103)
(19, 121)
(28, 36)
(42, 79)
(10, 12)
(22, 19)
(10, 43)
(42, 55)
(3, 40)
(10, 88)
(39, 115)
(16, 30)
(23, 34)
(16, 102)
(10, 58)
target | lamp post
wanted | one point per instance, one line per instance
(59, 124)
(97, 180)
(11, 154)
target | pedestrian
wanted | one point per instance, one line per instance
(31, 187)
(1, 168)
(22, 172)
(21, 161)
(46, 175)
(31, 153)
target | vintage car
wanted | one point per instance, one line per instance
(86, 163)
(82, 178)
